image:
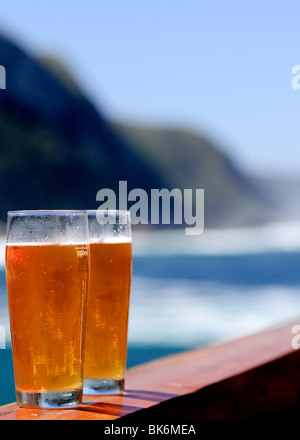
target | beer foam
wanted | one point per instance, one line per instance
(111, 240)
(48, 243)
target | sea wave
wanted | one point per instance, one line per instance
(281, 237)
(191, 313)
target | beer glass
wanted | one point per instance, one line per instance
(108, 301)
(47, 269)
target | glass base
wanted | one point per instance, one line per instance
(49, 400)
(102, 386)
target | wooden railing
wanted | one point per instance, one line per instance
(249, 378)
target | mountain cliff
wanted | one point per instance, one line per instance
(188, 160)
(57, 149)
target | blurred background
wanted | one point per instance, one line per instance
(168, 94)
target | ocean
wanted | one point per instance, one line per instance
(192, 291)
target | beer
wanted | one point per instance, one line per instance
(107, 315)
(47, 287)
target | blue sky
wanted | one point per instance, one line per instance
(218, 67)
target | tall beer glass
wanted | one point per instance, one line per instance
(108, 301)
(47, 268)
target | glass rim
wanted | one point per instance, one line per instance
(32, 212)
(108, 211)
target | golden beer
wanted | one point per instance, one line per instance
(47, 288)
(107, 315)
